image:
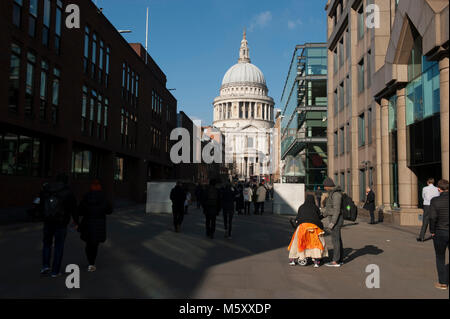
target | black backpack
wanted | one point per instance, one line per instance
(212, 197)
(348, 208)
(53, 206)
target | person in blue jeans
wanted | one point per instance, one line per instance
(57, 206)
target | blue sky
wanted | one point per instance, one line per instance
(196, 41)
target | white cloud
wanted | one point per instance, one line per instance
(260, 21)
(292, 24)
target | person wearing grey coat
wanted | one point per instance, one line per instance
(332, 210)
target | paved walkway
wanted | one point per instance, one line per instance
(144, 258)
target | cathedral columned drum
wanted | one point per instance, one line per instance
(244, 113)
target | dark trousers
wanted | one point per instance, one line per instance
(425, 221)
(178, 215)
(210, 224)
(228, 220)
(57, 233)
(440, 241)
(247, 207)
(91, 252)
(259, 208)
(372, 216)
(336, 238)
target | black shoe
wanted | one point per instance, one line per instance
(420, 240)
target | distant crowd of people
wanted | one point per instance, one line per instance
(228, 198)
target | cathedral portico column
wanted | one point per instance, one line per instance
(407, 180)
(444, 88)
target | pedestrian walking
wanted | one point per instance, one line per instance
(57, 205)
(369, 204)
(228, 197)
(308, 240)
(239, 199)
(439, 212)
(178, 198)
(198, 194)
(187, 202)
(428, 193)
(332, 210)
(261, 193)
(93, 209)
(248, 195)
(255, 198)
(211, 203)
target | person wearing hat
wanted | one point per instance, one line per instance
(332, 210)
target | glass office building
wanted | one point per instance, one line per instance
(304, 117)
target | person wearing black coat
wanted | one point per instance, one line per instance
(228, 196)
(93, 209)
(212, 204)
(55, 224)
(370, 204)
(309, 213)
(439, 214)
(178, 198)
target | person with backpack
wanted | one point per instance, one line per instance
(211, 203)
(57, 205)
(93, 209)
(178, 198)
(333, 211)
(239, 198)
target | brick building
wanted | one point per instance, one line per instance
(80, 101)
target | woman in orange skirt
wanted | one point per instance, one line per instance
(308, 240)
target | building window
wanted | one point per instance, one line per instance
(84, 104)
(86, 50)
(58, 22)
(105, 119)
(341, 52)
(336, 146)
(369, 125)
(361, 76)
(94, 56)
(342, 140)
(92, 112)
(17, 13)
(23, 155)
(46, 26)
(85, 163)
(369, 69)
(349, 138)
(108, 57)
(362, 185)
(349, 183)
(335, 61)
(99, 116)
(341, 96)
(348, 45)
(43, 90)
(119, 169)
(335, 102)
(32, 18)
(55, 95)
(14, 78)
(348, 95)
(361, 130)
(361, 23)
(29, 88)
